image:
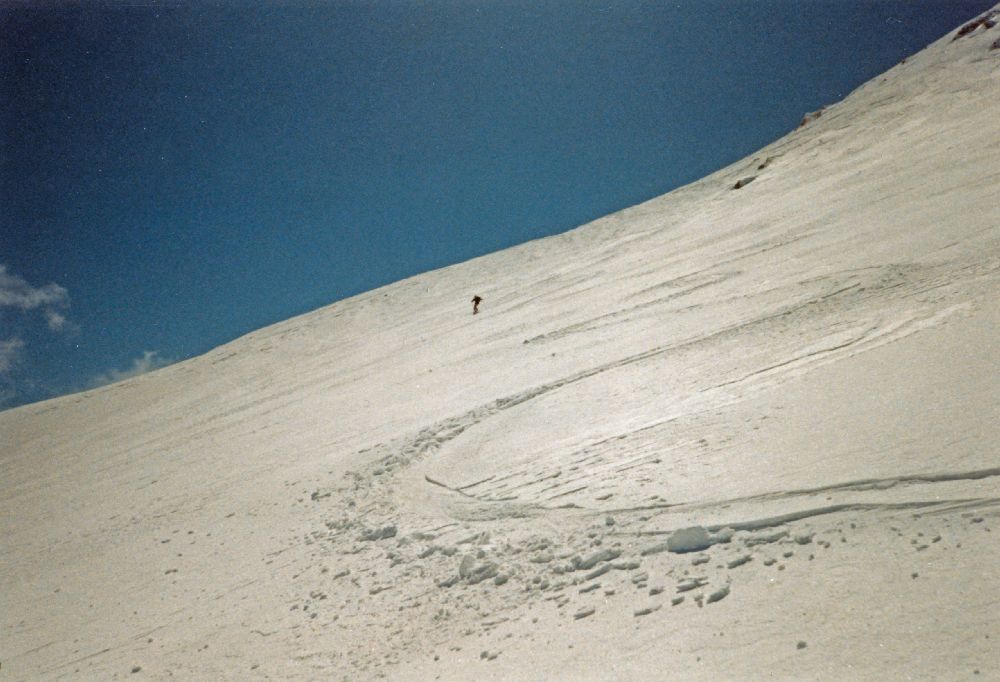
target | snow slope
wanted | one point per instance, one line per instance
(803, 367)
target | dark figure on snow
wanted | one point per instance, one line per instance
(476, 300)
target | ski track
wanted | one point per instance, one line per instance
(841, 293)
(565, 498)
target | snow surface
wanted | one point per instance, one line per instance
(805, 367)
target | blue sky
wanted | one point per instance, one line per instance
(174, 175)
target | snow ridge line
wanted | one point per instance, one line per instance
(791, 517)
(849, 486)
(781, 519)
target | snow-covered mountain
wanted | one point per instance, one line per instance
(747, 430)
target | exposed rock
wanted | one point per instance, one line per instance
(767, 162)
(810, 117)
(987, 21)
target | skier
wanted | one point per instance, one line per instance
(476, 300)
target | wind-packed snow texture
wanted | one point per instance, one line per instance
(797, 354)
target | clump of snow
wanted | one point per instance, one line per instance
(719, 594)
(693, 539)
(723, 536)
(803, 538)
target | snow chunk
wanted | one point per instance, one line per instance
(693, 539)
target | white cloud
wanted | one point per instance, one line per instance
(57, 321)
(18, 295)
(149, 361)
(9, 351)
(15, 292)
